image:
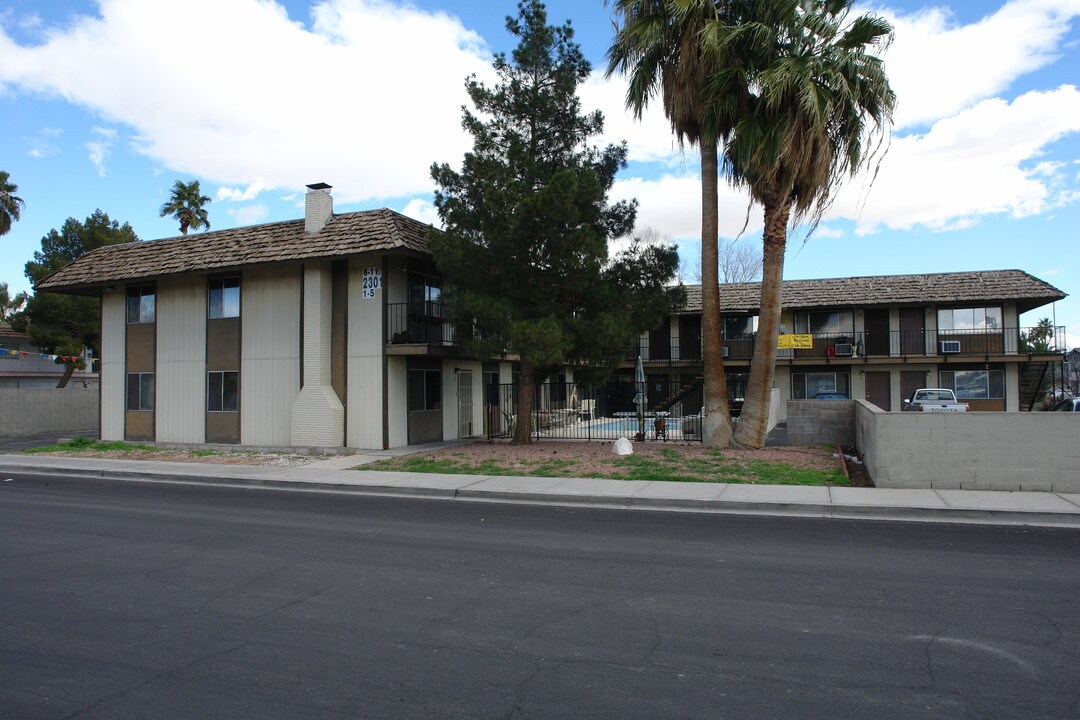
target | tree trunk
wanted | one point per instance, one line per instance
(68, 370)
(754, 420)
(716, 420)
(526, 388)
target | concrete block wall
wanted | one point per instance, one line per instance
(813, 422)
(1037, 451)
(34, 411)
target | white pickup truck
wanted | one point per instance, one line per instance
(940, 400)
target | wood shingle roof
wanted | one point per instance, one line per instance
(971, 288)
(343, 235)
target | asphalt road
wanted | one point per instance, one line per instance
(123, 600)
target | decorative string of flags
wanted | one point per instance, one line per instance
(26, 354)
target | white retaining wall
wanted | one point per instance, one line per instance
(970, 451)
(34, 411)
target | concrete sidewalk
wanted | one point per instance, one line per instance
(965, 506)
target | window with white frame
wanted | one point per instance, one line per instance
(222, 391)
(140, 391)
(974, 384)
(835, 322)
(984, 319)
(740, 327)
(140, 304)
(806, 385)
(223, 297)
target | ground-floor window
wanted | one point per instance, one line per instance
(425, 390)
(140, 391)
(805, 385)
(974, 384)
(223, 391)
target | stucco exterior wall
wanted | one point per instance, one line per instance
(113, 329)
(181, 359)
(34, 411)
(269, 354)
(970, 451)
(365, 352)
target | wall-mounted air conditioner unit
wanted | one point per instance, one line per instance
(842, 350)
(723, 352)
(949, 346)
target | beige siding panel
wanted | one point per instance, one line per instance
(113, 327)
(364, 408)
(269, 354)
(181, 359)
(397, 384)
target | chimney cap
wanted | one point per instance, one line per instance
(319, 186)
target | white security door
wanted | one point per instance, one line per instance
(464, 403)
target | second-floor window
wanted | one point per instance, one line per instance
(140, 304)
(838, 322)
(985, 319)
(740, 327)
(224, 297)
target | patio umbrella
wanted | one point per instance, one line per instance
(639, 396)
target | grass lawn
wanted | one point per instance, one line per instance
(789, 466)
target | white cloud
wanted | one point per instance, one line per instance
(672, 205)
(99, 150)
(422, 210)
(970, 165)
(226, 194)
(249, 214)
(938, 67)
(354, 99)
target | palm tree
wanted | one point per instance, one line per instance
(659, 46)
(186, 205)
(11, 205)
(803, 105)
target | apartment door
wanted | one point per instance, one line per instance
(689, 337)
(912, 331)
(877, 331)
(464, 403)
(878, 389)
(910, 381)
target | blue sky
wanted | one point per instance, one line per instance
(105, 104)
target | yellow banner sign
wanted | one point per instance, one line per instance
(795, 342)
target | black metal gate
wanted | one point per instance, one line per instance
(619, 408)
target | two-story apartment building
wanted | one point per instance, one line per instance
(877, 338)
(329, 331)
(321, 332)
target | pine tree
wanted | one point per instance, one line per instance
(527, 222)
(67, 324)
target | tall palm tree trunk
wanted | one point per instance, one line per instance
(716, 423)
(754, 420)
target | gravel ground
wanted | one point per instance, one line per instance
(221, 458)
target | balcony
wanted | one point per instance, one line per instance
(864, 345)
(423, 323)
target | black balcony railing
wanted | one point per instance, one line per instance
(895, 343)
(424, 323)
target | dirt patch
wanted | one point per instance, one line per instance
(854, 467)
(196, 456)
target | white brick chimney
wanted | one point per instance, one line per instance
(318, 207)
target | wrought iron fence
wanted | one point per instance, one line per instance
(571, 411)
(868, 343)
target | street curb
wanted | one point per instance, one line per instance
(630, 502)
